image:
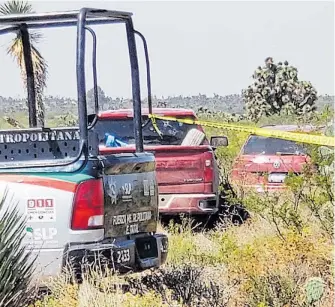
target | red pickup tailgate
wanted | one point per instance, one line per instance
(181, 169)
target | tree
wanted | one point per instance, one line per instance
(277, 90)
(16, 51)
(102, 99)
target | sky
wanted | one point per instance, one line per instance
(195, 47)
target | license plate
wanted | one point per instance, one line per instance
(122, 256)
(276, 178)
(147, 247)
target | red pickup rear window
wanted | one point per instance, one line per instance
(173, 133)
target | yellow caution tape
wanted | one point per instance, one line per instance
(291, 136)
(154, 124)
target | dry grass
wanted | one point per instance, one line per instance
(250, 264)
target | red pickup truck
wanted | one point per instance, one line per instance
(186, 168)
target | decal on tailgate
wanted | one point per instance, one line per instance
(41, 210)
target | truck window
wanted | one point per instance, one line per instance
(271, 146)
(173, 133)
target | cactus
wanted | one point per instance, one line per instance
(277, 90)
(315, 288)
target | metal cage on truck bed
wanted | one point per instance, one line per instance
(46, 147)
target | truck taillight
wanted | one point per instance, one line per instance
(88, 206)
(208, 164)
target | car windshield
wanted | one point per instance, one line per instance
(271, 146)
(173, 133)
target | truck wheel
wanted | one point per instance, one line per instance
(236, 220)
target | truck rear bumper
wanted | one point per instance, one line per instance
(173, 204)
(138, 253)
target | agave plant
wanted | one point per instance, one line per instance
(16, 264)
(15, 49)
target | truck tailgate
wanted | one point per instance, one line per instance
(131, 196)
(175, 168)
(179, 169)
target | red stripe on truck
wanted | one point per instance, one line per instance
(40, 181)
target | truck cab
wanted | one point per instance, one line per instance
(80, 204)
(186, 168)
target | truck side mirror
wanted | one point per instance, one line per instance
(219, 141)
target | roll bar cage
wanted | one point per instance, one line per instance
(82, 19)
